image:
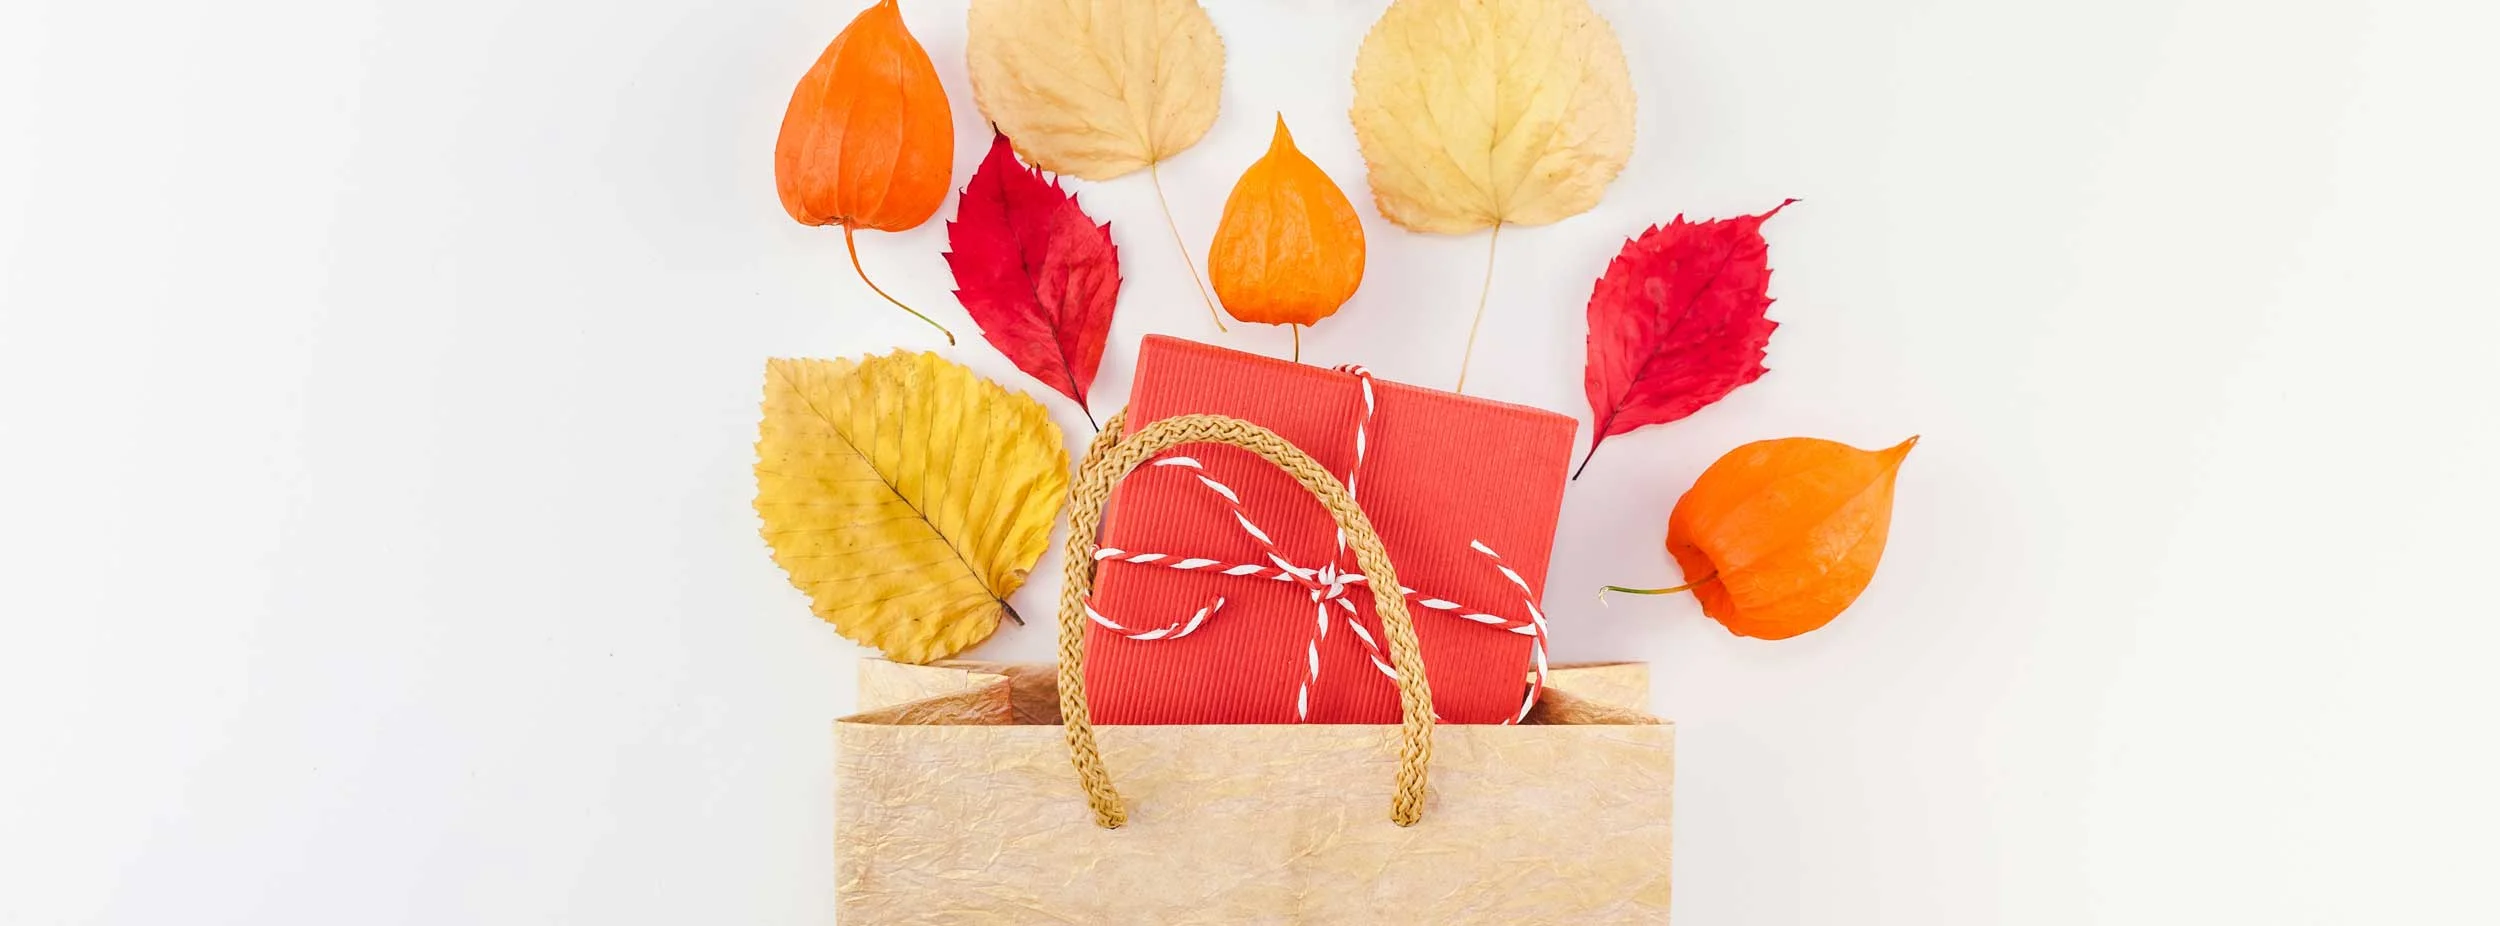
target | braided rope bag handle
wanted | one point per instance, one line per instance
(1106, 462)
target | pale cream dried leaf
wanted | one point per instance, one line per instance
(1096, 88)
(1477, 112)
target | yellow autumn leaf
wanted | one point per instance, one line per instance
(906, 495)
(1473, 113)
(1096, 88)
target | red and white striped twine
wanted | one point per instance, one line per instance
(1327, 584)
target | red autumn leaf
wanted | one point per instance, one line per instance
(1034, 271)
(1676, 323)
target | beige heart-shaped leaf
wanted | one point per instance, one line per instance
(906, 495)
(1096, 88)
(1472, 113)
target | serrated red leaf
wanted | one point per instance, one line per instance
(1034, 271)
(1676, 323)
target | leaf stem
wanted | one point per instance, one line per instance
(1686, 587)
(1297, 342)
(1155, 173)
(852, 245)
(1584, 462)
(1491, 248)
(1089, 418)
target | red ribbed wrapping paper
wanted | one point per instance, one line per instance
(1442, 470)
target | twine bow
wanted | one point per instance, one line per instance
(1327, 584)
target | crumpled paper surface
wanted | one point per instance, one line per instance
(956, 805)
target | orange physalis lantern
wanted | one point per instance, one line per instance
(868, 141)
(1289, 250)
(1779, 536)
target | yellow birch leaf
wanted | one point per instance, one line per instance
(1095, 88)
(1472, 113)
(906, 495)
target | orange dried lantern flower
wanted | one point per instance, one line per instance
(868, 141)
(1779, 536)
(1289, 250)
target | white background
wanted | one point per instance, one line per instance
(378, 383)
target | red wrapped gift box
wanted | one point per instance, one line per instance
(1464, 492)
